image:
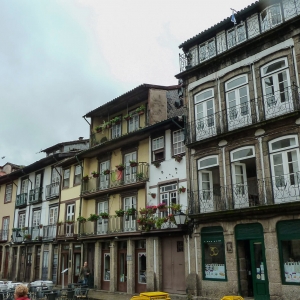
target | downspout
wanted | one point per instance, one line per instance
(255, 91)
(15, 204)
(224, 173)
(262, 166)
(80, 203)
(26, 203)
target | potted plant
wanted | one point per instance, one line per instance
(81, 219)
(116, 120)
(27, 236)
(141, 110)
(104, 215)
(162, 207)
(95, 174)
(59, 223)
(176, 207)
(151, 209)
(120, 212)
(93, 217)
(143, 211)
(69, 222)
(178, 157)
(24, 228)
(106, 172)
(131, 211)
(99, 128)
(120, 167)
(133, 163)
(182, 189)
(160, 221)
(157, 164)
(85, 178)
(139, 176)
(153, 195)
(127, 117)
(171, 218)
(41, 226)
(107, 124)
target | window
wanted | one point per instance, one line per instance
(208, 162)
(178, 142)
(70, 212)
(270, 17)
(66, 181)
(242, 153)
(213, 259)
(36, 218)
(77, 175)
(205, 114)
(53, 214)
(236, 35)
(8, 193)
(276, 88)
(116, 130)
(5, 227)
(134, 122)
(288, 234)
(168, 195)
(158, 148)
(129, 223)
(21, 220)
(102, 224)
(104, 177)
(131, 172)
(207, 50)
(284, 156)
(24, 186)
(238, 104)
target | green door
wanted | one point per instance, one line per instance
(259, 270)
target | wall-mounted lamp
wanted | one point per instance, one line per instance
(184, 222)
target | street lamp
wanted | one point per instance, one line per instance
(183, 221)
(180, 218)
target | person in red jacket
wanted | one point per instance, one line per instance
(21, 292)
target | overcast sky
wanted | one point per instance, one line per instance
(61, 59)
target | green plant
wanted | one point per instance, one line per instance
(85, 178)
(116, 120)
(69, 221)
(176, 207)
(93, 217)
(131, 211)
(120, 167)
(133, 163)
(81, 219)
(157, 164)
(24, 228)
(139, 176)
(15, 229)
(141, 108)
(160, 221)
(27, 236)
(162, 205)
(104, 215)
(107, 124)
(59, 223)
(178, 157)
(99, 128)
(143, 211)
(95, 174)
(127, 117)
(182, 189)
(106, 172)
(120, 212)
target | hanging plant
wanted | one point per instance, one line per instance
(85, 178)
(99, 129)
(182, 189)
(120, 167)
(157, 164)
(141, 110)
(178, 158)
(93, 217)
(133, 163)
(106, 172)
(41, 226)
(116, 120)
(153, 195)
(120, 213)
(104, 215)
(131, 211)
(95, 174)
(81, 219)
(127, 117)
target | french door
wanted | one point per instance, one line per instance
(102, 224)
(5, 226)
(130, 172)
(240, 187)
(38, 187)
(130, 220)
(285, 179)
(206, 191)
(104, 179)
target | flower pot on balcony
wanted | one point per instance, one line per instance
(85, 178)
(40, 226)
(133, 164)
(106, 172)
(162, 209)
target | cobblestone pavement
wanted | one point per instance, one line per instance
(101, 295)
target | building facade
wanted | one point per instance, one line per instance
(241, 87)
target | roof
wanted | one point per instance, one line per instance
(225, 24)
(132, 97)
(57, 146)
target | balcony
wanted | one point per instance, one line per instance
(269, 192)
(67, 229)
(21, 200)
(4, 235)
(49, 232)
(27, 234)
(52, 190)
(116, 180)
(242, 116)
(35, 195)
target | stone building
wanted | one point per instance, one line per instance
(241, 87)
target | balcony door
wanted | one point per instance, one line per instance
(70, 217)
(285, 169)
(50, 230)
(38, 187)
(278, 95)
(205, 122)
(5, 227)
(130, 220)
(36, 219)
(238, 104)
(130, 172)
(55, 179)
(104, 178)
(102, 224)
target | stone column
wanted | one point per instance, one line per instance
(50, 262)
(113, 266)
(70, 264)
(18, 262)
(130, 267)
(97, 267)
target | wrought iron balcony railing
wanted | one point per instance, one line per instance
(68, 229)
(115, 178)
(52, 190)
(240, 116)
(27, 234)
(4, 235)
(275, 190)
(21, 199)
(35, 195)
(49, 232)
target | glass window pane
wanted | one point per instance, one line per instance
(208, 162)
(244, 153)
(285, 143)
(236, 82)
(291, 260)
(275, 66)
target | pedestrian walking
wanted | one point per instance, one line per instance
(84, 273)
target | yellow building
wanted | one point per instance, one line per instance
(131, 136)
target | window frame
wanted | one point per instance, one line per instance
(136, 122)
(283, 138)
(240, 149)
(269, 16)
(77, 177)
(6, 192)
(36, 221)
(207, 52)
(181, 142)
(116, 128)
(158, 150)
(206, 158)
(66, 180)
(235, 35)
(23, 223)
(72, 214)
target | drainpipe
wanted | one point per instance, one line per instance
(224, 173)
(294, 64)
(255, 91)
(15, 204)
(80, 203)
(262, 166)
(26, 203)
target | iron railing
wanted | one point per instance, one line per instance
(21, 199)
(49, 232)
(35, 195)
(67, 229)
(270, 191)
(243, 115)
(52, 190)
(117, 178)
(27, 234)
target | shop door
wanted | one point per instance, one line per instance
(105, 270)
(64, 265)
(22, 266)
(5, 272)
(45, 265)
(173, 273)
(140, 271)
(55, 264)
(37, 263)
(28, 266)
(259, 272)
(77, 257)
(122, 270)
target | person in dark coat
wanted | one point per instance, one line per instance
(84, 273)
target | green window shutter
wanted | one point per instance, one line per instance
(249, 231)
